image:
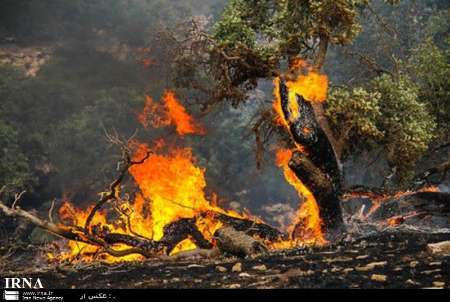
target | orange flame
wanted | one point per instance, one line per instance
(170, 112)
(309, 83)
(307, 225)
(379, 199)
(171, 187)
(178, 116)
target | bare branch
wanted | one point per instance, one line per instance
(127, 162)
(17, 198)
(50, 211)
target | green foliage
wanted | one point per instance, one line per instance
(389, 113)
(355, 112)
(57, 119)
(429, 65)
(233, 28)
(289, 25)
(407, 124)
(15, 169)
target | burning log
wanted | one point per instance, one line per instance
(230, 240)
(318, 168)
(174, 233)
(252, 228)
(180, 230)
(237, 243)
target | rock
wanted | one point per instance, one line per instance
(370, 266)
(237, 268)
(432, 271)
(363, 244)
(337, 259)
(413, 264)
(336, 269)
(221, 269)
(378, 278)
(362, 257)
(438, 284)
(412, 282)
(195, 266)
(244, 275)
(348, 270)
(232, 286)
(440, 248)
(436, 263)
(261, 268)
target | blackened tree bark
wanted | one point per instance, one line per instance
(318, 166)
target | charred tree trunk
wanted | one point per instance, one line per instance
(319, 169)
(323, 189)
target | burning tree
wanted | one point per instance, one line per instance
(169, 211)
(288, 42)
(254, 40)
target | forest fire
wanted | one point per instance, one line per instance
(172, 187)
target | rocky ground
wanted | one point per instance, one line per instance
(384, 260)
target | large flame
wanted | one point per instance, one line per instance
(172, 186)
(307, 225)
(304, 81)
(309, 83)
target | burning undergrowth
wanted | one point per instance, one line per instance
(167, 208)
(172, 187)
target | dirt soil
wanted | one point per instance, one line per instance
(385, 260)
